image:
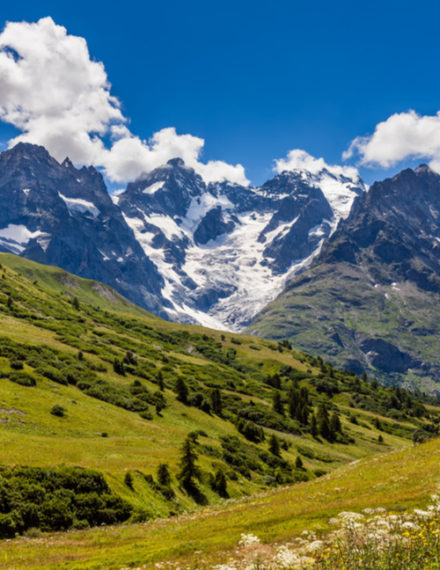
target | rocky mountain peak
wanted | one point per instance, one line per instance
(176, 162)
(369, 301)
(67, 163)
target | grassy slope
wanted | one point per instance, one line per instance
(330, 310)
(391, 480)
(104, 327)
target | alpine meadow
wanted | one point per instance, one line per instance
(219, 350)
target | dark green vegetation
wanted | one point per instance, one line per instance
(173, 415)
(56, 499)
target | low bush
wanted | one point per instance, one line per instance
(22, 378)
(52, 499)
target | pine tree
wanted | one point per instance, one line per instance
(10, 303)
(298, 463)
(293, 399)
(324, 423)
(276, 381)
(160, 381)
(163, 475)
(181, 390)
(216, 401)
(219, 483)
(335, 423)
(299, 412)
(128, 480)
(277, 404)
(75, 303)
(274, 445)
(188, 467)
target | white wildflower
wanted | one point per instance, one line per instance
(315, 546)
(422, 514)
(248, 539)
(286, 558)
(412, 525)
(351, 516)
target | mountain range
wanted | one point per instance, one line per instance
(316, 257)
(371, 299)
(213, 254)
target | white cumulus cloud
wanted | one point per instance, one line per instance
(301, 160)
(57, 96)
(402, 136)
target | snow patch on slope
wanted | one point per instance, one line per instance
(153, 187)
(15, 237)
(80, 205)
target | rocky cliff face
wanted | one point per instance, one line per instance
(371, 300)
(59, 215)
(395, 228)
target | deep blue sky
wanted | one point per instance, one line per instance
(258, 79)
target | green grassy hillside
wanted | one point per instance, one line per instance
(340, 312)
(89, 380)
(391, 481)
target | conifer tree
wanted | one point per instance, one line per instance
(274, 445)
(277, 404)
(160, 381)
(181, 390)
(216, 401)
(163, 475)
(188, 467)
(128, 480)
(324, 422)
(219, 484)
(335, 423)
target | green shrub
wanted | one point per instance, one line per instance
(50, 499)
(128, 480)
(22, 378)
(52, 373)
(58, 411)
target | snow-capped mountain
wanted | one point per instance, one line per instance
(224, 250)
(59, 215)
(371, 300)
(213, 254)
